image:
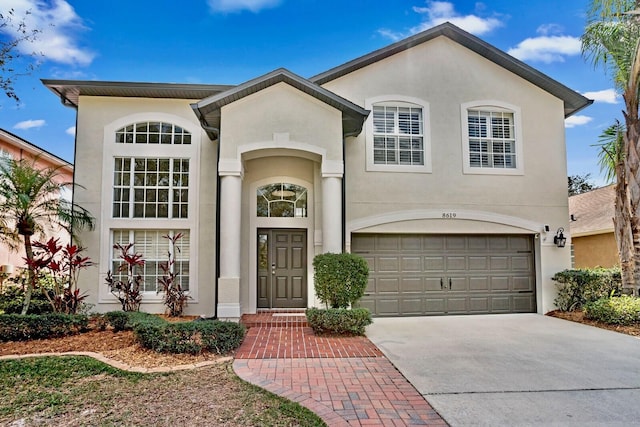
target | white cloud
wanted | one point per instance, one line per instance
(439, 12)
(58, 26)
(240, 5)
(28, 124)
(546, 49)
(71, 131)
(608, 96)
(549, 46)
(573, 121)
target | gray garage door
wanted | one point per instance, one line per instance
(413, 275)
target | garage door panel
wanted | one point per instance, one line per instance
(411, 264)
(412, 285)
(447, 274)
(478, 263)
(479, 284)
(388, 285)
(456, 263)
(434, 263)
(500, 283)
(523, 284)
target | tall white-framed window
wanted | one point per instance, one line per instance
(491, 138)
(397, 134)
(149, 191)
(155, 247)
(146, 187)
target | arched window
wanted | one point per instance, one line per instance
(282, 200)
(153, 133)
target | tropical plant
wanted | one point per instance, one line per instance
(63, 265)
(611, 159)
(175, 297)
(126, 285)
(30, 204)
(611, 39)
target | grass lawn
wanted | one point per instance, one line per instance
(81, 391)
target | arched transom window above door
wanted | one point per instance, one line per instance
(282, 200)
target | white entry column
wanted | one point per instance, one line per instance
(230, 228)
(332, 173)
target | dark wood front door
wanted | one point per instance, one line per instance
(282, 268)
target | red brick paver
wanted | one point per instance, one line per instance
(345, 380)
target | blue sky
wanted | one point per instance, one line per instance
(231, 41)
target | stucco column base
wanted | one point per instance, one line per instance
(229, 297)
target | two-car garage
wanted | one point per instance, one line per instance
(433, 274)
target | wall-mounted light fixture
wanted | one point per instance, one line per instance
(559, 240)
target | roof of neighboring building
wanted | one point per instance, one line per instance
(34, 150)
(593, 211)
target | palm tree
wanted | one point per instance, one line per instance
(30, 204)
(611, 159)
(612, 39)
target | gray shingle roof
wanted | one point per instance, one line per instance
(593, 211)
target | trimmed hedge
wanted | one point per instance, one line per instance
(15, 327)
(578, 287)
(339, 321)
(190, 337)
(340, 279)
(622, 310)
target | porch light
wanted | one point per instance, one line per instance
(559, 240)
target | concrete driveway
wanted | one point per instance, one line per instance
(516, 370)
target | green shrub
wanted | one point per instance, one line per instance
(581, 286)
(190, 337)
(339, 321)
(340, 279)
(12, 299)
(15, 327)
(117, 319)
(620, 310)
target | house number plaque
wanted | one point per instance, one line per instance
(449, 215)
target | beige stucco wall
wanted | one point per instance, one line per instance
(598, 250)
(95, 149)
(446, 75)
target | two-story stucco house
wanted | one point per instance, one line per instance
(440, 159)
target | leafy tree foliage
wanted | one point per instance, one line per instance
(14, 34)
(579, 184)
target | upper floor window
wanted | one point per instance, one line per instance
(153, 133)
(491, 142)
(150, 188)
(282, 200)
(397, 135)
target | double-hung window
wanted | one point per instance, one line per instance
(397, 135)
(491, 143)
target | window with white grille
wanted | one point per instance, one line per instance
(397, 135)
(153, 133)
(150, 187)
(491, 141)
(155, 247)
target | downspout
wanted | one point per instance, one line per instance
(344, 195)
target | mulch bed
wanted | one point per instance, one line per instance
(579, 317)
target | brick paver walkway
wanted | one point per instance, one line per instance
(345, 380)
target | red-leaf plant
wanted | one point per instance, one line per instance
(127, 290)
(175, 298)
(63, 264)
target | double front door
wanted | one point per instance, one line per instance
(282, 268)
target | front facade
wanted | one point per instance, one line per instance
(439, 159)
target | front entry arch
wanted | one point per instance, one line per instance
(281, 268)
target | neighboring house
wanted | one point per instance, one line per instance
(592, 238)
(12, 146)
(440, 159)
